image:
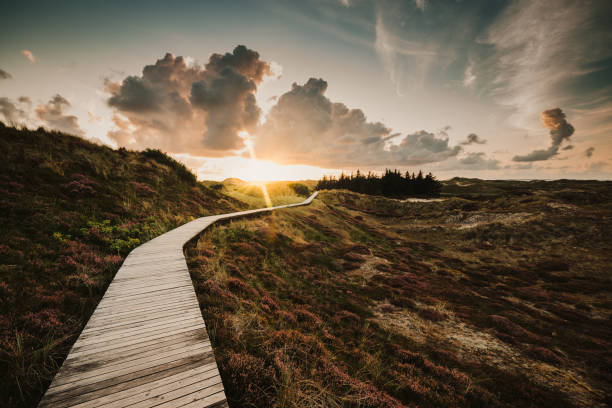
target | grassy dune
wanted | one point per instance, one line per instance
(501, 298)
(253, 194)
(70, 211)
(499, 295)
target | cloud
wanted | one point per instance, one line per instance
(52, 114)
(538, 155)
(470, 161)
(560, 131)
(547, 50)
(5, 75)
(12, 113)
(93, 118)
(473, 138)
(185, 108)
(306, 127)
(589, 152)
(469, 77)
(29, 55)
(229, 101)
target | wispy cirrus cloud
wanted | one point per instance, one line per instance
(547, 52)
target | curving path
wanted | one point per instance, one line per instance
(146, 343)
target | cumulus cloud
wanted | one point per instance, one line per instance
(560, 131)
(473, 138)
(29, 55)
(185, 108)
(589, 152)
(5, 75)
(13, 114)
(479, 161)
(306, 127)
(53, 115)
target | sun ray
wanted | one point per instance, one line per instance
(262, 185)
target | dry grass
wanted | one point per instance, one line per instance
(387, 303)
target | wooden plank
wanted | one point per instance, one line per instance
(111, 370)
(156, 349)
(138, 371)
(133, 349)
(81, 394)
(152, 389)
(146, 343)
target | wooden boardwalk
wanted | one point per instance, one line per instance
(146, 343)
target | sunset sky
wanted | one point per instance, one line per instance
(293, 90)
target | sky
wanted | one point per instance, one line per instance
(264, 90)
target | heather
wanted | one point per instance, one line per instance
(498, 295)
(70, 211)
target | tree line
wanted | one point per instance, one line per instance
(391, 184)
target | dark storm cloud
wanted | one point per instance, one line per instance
(473, 138)
(52, 114)
(306, 127)
(231, 106)
(190, 109)
(589, 152)
(242, 60)
(5, 75)
(560, 131)
(134, 96)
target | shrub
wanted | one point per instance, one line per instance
(300, 189)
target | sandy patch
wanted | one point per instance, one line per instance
(562, 206)
(368, 269)
(423, 200)
(467, 221)
(470, 343)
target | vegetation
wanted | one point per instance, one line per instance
(300, 189)
(391, 184)
(497, 295)
(500, 300)
(70, 211)
(254, 194)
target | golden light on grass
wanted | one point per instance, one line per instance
(259, 169)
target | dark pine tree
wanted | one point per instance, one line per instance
(391, 184)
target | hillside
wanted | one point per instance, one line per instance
(70, 211)
(500, 299)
